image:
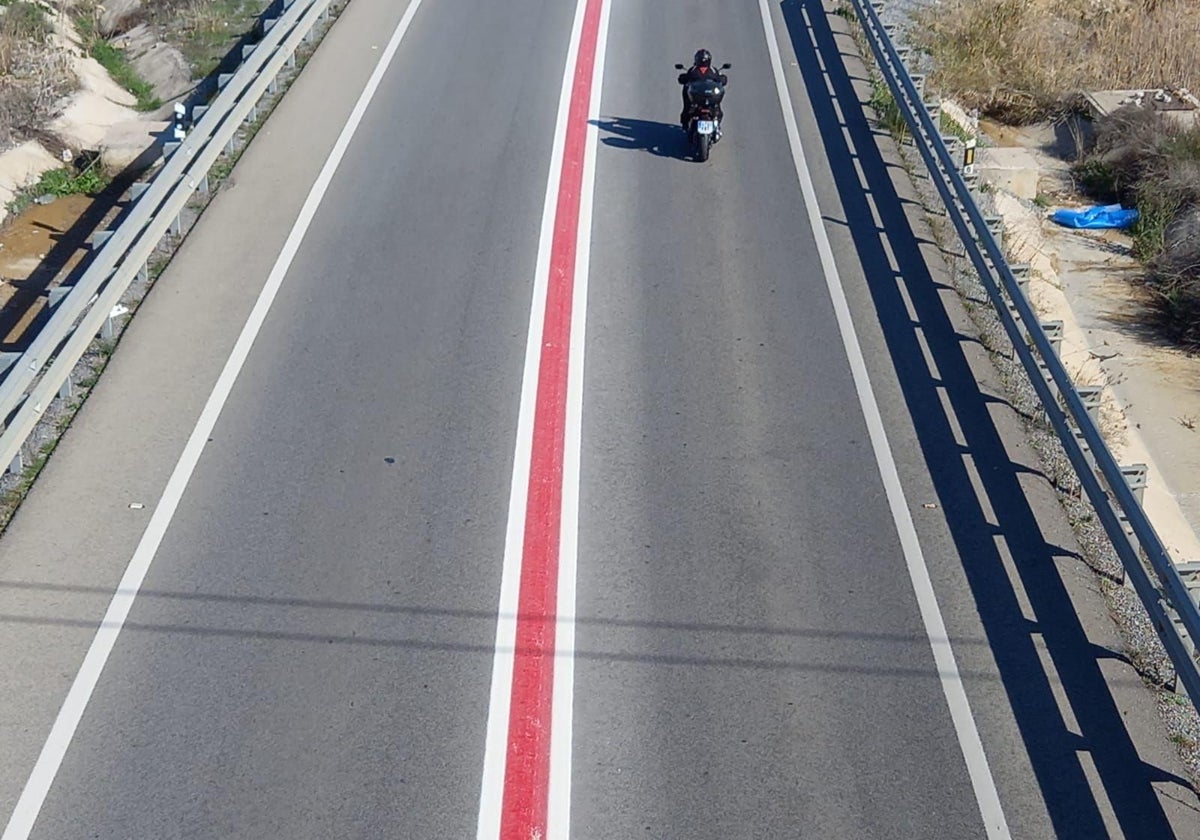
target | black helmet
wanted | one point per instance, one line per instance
(703, 58)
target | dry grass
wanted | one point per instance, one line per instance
(34, 75)
(204, 29)
(1023, 60)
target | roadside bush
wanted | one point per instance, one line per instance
(34, 76)
(1146, 160)
(1024, 60)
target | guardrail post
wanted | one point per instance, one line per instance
(65, 390)
(1189, 644)
(251, 115)
(17, 465)
(100, 237)
(108, 330)
(198, 111)
(995, 224)
(170, 147)
(223, 79)
(1022, 272)
(144, 273)
(1091, 395)
(247, 51)
(1136, 476)
(56, 295)
(1054, 332)
(177, 225)
(918, 80)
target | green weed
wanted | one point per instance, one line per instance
(118, 66)
(887, 110)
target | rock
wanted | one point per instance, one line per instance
(167, 70)
(21, 167)
(138, 40)
(87, 118)
(130, 144)
(160, 64)
(92, 77)
(118, 16)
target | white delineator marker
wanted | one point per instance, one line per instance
(526, 787)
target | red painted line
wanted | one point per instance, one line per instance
(527, 769)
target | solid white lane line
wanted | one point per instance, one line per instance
(984, 785)
(33, 796)
(491, 796)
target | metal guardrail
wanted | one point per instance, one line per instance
(1169, 602)
(41, 372)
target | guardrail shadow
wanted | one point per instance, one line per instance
(1052, 748)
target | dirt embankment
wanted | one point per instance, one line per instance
(79, 76)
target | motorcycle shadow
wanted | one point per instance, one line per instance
(662, 139)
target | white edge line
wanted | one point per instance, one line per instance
(495, 756)
(969, 741)
(29, 805)
(558, 825)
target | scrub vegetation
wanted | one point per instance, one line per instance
(34, 73)
(1144, 159)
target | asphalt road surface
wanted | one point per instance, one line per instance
(695, 612)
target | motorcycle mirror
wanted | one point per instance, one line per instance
(726, 66)
(678, 66)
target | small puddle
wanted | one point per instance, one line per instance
(35, 248)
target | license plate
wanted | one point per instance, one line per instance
(705, 126)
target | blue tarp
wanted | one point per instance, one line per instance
(1095, 218)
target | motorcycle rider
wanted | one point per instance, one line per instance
(701, 69)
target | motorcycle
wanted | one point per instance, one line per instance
(704, 103)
